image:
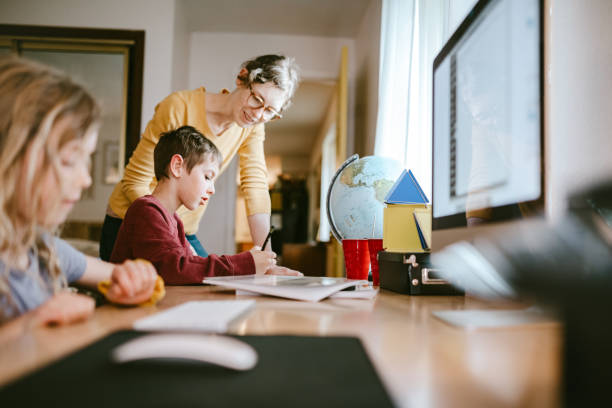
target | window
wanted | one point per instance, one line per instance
(412, 33)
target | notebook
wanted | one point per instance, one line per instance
(308, 288)
(203, 315)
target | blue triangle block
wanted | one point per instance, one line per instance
(406, 190)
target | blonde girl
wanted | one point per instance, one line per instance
(48, 130)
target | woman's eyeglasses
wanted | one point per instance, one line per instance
(256, 102)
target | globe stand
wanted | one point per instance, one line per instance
(334, 230)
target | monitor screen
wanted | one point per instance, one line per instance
(487, 115)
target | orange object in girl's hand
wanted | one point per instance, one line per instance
(134, 283)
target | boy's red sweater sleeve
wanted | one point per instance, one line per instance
(147, 233)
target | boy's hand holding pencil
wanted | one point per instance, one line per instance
(281, 270)
(264, 260)
(265, 263)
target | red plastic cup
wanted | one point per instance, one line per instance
(375, 246)
(356, 258)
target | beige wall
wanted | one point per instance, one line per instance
(579, 79)
(579, 132)
(176, 59)
(180, 49)
(367, 49)
(156, 17)
(318, 57)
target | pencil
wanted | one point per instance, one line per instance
(263, 247)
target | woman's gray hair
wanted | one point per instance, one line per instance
(281, 70)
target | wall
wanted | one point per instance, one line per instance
(215, 59)
(180, 48)
(156, 17)
(580, 98)
(367, 49)
(176, 59)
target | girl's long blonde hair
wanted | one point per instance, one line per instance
(33, 99)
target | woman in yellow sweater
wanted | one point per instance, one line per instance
(234, 122)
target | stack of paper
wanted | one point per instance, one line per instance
(407, 217)
(206, 315)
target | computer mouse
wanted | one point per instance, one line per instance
(198, 347)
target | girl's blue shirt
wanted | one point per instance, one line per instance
(31, 287)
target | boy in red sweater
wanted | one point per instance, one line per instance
(186, 164)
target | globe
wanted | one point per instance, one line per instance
(356, 196)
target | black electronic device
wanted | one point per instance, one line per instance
(488, 144)
(412, 273)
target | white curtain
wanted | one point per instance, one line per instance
(412, 34)
(394, 78)
(430, 25)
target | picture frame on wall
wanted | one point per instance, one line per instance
(111, 171)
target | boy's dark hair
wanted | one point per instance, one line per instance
(186, 141)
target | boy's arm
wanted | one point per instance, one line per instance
(153, 239)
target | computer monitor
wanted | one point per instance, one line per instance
(487, 117)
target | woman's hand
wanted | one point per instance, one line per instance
(264, 260)
(64, 308)
(132, 282)
(281, 270)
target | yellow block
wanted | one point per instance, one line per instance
(423, 217)
(399, 228)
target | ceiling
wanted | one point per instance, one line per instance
(329, 18)
(293, 135)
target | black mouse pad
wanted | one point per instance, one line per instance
(292, 371)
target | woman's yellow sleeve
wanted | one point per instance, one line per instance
(253, 172)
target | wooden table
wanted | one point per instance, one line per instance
(421, 360)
